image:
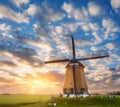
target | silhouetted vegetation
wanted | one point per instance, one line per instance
(114, 93)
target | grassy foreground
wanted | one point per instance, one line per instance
(13, 100)
(46, 101)
(95, 101)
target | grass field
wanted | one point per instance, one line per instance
(46, 101)
(96, 101)
(22, 99)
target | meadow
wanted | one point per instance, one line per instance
(47, 101)
(16, 100)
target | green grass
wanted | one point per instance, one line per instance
(43, 101)
(86, 102)
(22, 99)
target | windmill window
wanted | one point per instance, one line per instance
(71, 90)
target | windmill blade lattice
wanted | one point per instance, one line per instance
(94, 57)
(57, 61)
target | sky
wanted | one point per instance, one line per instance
(35, 31)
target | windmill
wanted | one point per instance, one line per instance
(75, 83)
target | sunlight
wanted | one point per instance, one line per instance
(40, 86)
(38, 83)
(37, 86)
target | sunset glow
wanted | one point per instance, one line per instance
(40, 84)
(35, 31)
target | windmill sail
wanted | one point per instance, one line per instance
(73, 47)
(57, 61)
(94, 57)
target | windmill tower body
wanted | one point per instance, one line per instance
(75, 83)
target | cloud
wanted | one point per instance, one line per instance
(110, 46)
(50, 82)
(9, 14)
(53, 35)
(18, 3)
(108, 23)
(6, 80)
(115, 4)
(76, 13)
(45, 12)
(18, 49)
(51, 14)
(6, 59)
(93, 29)
(5, 27)
(5, 30)
(18, 65)
(9, 77)
(32, 10)
(93, 26)
(61, 30)
(51, 76)
(97, 37)
(9, 63)
(68, 7)
(43, 49)
(99, 50)
(14, 75)
(63, 48)
(94, 48)
(25, 54)
(42, 30)
(94, 9)
(85, 27)
(89, 26)
(83, 42)
(118, 68)
(102, 78)
(66, 28)
(110, 27)
(81, 53)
